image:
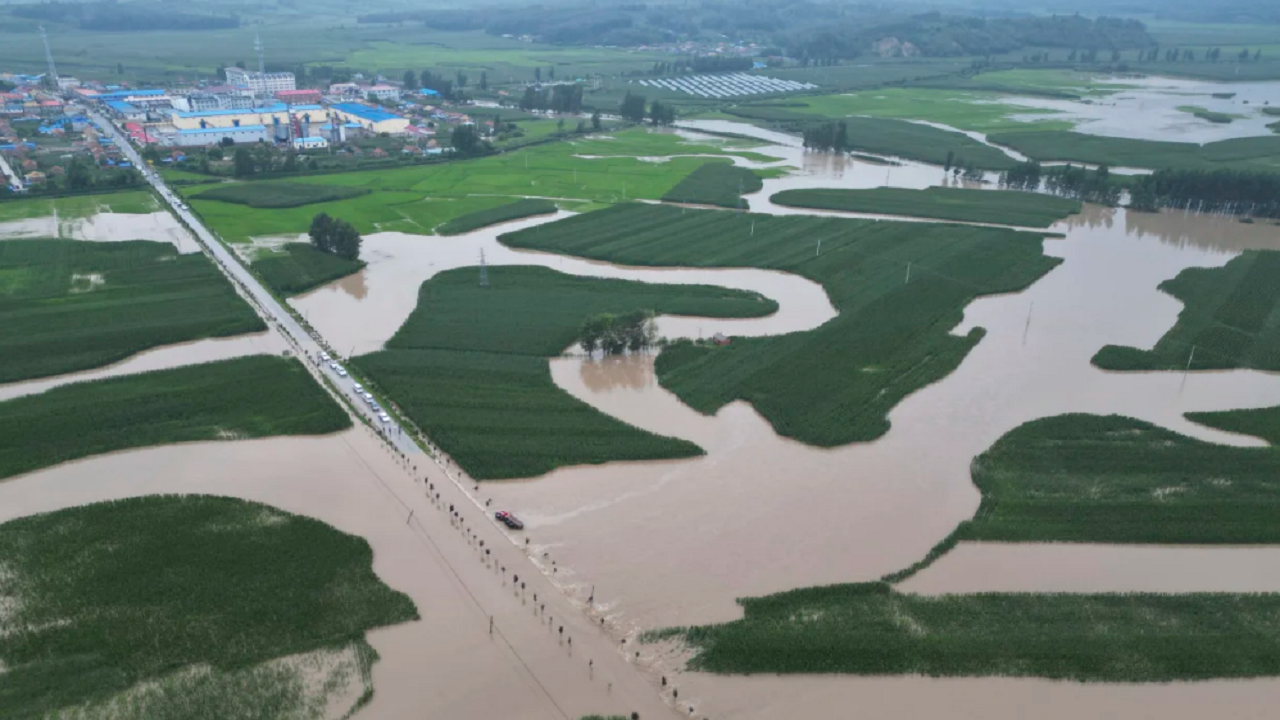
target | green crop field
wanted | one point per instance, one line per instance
(246, 397)
(298, 267)
(870, 629)
(890, 137)
(1256, 153)
(79, 206)
(1229, 320)
(1261, 423)
(1089, 478)
(835, 384)
(716, 184)
(277, 195)
(175, 606)
(469, 366)
(1006, 207)
(421, 198)
(1209, 115)
(503, 213)
(67, 305)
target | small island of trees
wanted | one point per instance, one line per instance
(615, 334)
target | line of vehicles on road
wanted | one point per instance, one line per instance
(367, 397)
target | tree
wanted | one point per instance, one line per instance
(345, 240)
(78, 175)
(465, 139)
(460, 80)
(484, 81)
(240, 64)
(551, 72)
(291, 162)
(560, 125)
(537, 74)
(321, 232)
(119, 68)
(410, 80)
(226, 142)
(242, 163)
(632, 108)
(595, 120)
(950, 157)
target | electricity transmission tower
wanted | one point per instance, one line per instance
(484, 271)
(257, 45)
(48, 56)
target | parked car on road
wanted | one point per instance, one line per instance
(509, 520)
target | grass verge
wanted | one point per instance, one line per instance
(469, 366)
(299, 267)
(492, 216)
(129, 597)
(67, 305)
(245, 397)
(835, 384)
(1005, 207)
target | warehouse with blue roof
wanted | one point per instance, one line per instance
(372, 119)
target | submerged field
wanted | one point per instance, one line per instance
(298, 267)
(1005, 207)
(247, 397)
(835, 384)
(424, 199)
(1089, 478)
(187, 606)
(469, 366)
(1229, 320)
(67, 305)
(870, 629)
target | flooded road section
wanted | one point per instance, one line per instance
(161, 358)
(104, 227)
(447, 665)
(363, 311)
(674, 543)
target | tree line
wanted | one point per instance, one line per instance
(335, 236)
(119, 17)
(1241, 192)
(1080, 183)
(615, 334)
(556, 98)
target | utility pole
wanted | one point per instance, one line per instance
(48, 56)
(257, 45)
(484, 271)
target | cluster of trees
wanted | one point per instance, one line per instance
(1241, 192)
(632, 108)
(703, 64)
(116, 17)
(615, 334)
(1080, 183)
(449, 89)
(961, 169)
(828, 136)
(1023, 176)
(661, 113)
(557, 98)
(466, 141)
(1211, 55)
(336, 236)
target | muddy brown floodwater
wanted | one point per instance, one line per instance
(104, 227)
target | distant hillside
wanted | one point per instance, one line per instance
(122, 17)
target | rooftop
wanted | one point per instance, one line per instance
(364, 112)
(223, 131)
(279, 107)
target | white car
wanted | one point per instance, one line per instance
(324, 356)
(367, 397)
(359, 389)
(375, 407)
(384, 417)
(333, 366)
(342, 373)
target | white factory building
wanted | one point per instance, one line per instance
(261, 83)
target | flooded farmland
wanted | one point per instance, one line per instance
(104, 227)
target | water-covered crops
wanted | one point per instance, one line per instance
(1004, 207)
(900, 289)
(299, 267)
(68, 305)
(470, 366)
(869, 629)
(245, 397)
(108, 598)
(1229, 320)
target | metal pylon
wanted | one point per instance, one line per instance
(484, 271)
